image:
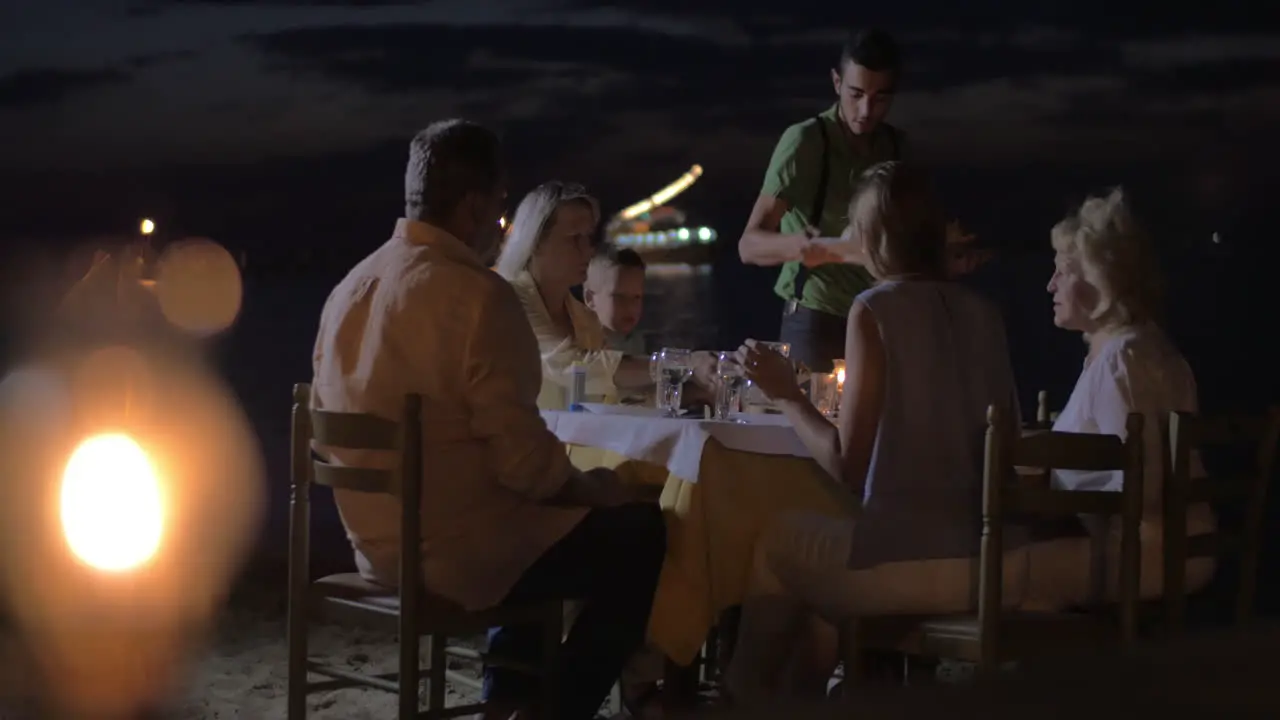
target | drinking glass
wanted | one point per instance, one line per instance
(730, 385)
(824, 394)
(675, 366)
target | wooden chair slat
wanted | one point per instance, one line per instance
(1047, 502)
(351, 430)
(366, 480)
(1068, 451)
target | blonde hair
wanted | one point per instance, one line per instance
(1115, 255)
(533, 219)
(895, 213)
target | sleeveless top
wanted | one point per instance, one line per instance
(947, 360)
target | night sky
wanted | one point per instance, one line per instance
(284, 124)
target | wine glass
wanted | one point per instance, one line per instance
(729, 388)
(675, 366)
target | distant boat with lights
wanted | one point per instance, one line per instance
(661, 233)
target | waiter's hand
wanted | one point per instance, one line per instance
(814, 255)
(819, 252)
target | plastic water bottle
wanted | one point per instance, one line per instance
(577, 386)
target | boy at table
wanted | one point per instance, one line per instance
(614, 290)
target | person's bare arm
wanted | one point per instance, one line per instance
(862, 404)
(845, 451)
(792, 176)
(761, 243)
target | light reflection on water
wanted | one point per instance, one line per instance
(679, 307)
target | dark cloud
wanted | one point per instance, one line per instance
(38, 86)
(142, 62)
(1029, 75)
(971, 19)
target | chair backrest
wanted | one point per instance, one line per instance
(1259, 434)
(1006, 495)
(357, 431)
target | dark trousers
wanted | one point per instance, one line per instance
(816, 337)
(610, 562)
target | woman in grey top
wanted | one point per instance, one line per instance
(924, 360)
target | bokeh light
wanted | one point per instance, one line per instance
(111, 507)
(133, 492)
(198, 286)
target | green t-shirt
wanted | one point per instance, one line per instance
(793, 175)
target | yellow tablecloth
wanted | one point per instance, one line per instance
(712, 528)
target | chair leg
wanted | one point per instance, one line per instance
(409, 673)
(296, 692)
(439, 671)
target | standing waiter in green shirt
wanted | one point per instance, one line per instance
(811, 178)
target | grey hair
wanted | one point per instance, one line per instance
(449, 160)
(532, 221)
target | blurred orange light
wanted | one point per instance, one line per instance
(111, 504)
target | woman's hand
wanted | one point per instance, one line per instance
(769, 371)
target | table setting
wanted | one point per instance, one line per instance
(728, 464)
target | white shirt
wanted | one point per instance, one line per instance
(423, 315)
(1138, 370)
(587, 345)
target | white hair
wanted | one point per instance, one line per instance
(532, 220)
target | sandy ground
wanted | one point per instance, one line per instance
(243, 674)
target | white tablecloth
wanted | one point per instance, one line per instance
(676, 443)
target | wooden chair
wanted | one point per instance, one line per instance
(995, 635)
(1186, 432)
(348, 596)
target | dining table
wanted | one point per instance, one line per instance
(724, 483)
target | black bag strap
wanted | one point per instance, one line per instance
(819, 202)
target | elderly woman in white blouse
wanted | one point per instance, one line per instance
(546, 254)
(1106, 286)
